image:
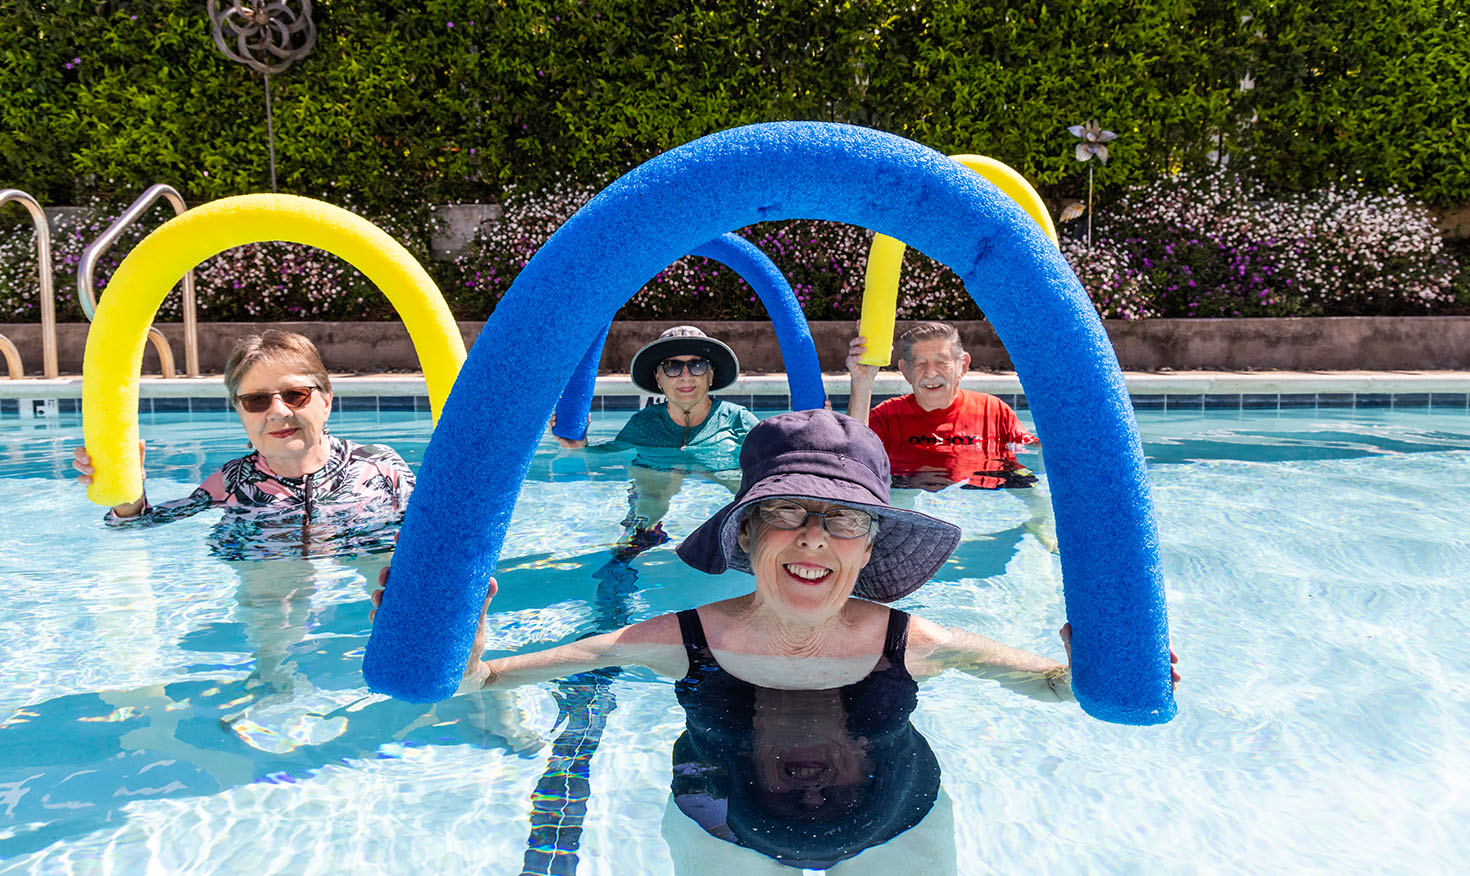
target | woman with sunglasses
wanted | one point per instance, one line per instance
(797, 750)
(302, 493)
(299, 477)
(684, 365)
(688, 432)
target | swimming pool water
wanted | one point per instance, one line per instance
(1317, 578)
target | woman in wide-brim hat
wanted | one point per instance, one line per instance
(813, 523)
(684, 365)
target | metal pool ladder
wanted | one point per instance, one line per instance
(94, 251)
(48, 295)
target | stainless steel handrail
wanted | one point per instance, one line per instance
(48, 294)
(88, 265)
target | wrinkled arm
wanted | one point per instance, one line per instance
(654, 644)
(861, 378)
(933, 649)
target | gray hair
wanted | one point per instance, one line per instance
(929, 331)
(286, 348)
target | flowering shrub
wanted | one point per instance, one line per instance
(1103, 268)
(268, 281)
(483, 270)
(823, 261)
(1205, 246)
(1215, 245)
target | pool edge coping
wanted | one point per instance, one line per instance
(1145, 383)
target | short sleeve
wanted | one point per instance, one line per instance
(1014, 432)
(746, 420)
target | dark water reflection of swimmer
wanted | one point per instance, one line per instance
(806, 778)
(980, 472)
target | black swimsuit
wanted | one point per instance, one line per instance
(807, 777)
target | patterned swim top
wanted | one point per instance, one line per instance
(351, 506)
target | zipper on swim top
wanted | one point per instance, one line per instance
(306, 515)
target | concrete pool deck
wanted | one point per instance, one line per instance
(1172, 390)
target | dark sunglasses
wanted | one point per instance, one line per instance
(672, 367)
(295, 398)
(839, 522)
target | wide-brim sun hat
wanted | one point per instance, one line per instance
(683, 340)
(828, 457)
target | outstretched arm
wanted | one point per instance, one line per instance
(934, 648)
(654, 643)
(142, 512)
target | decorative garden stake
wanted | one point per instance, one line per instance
(267, 37)
(1093, 137)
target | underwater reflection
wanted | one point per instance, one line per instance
(807, 778)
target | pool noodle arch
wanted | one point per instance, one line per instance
(115, 343)
(793, 335)
(885, 257)
(474, 466)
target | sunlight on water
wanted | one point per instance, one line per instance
(163, 710)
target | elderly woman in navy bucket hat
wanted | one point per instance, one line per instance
(798, 751)
(684, 365)
(689, 432)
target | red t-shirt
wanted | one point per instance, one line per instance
(964, 440)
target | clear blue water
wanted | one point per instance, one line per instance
(1318, 588)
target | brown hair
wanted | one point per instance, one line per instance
(928, 331)
(284, 348)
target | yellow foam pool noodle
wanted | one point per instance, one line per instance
(119, 333)
(885, 257)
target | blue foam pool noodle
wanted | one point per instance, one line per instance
(568, 293)
(793, 335)
(574, 407)
(798, 351)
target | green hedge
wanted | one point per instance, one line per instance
(457, 100)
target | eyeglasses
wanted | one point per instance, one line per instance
(673, 367)
(295, 398)
(839, 522)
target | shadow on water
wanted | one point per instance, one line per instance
(71, 764)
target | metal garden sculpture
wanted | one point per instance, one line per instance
(267, 37)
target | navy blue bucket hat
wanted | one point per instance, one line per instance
(827, 457)
(683, 340)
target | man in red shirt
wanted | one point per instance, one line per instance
(939, 434)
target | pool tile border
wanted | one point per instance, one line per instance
(404, 394)
(765, 402)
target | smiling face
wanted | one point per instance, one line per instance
(805, 571)
(934, 369)
(293, 441)
(686, 390)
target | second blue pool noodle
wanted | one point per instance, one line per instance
(574, 408)
(793, 335)
(798, 351)
(475, 463)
